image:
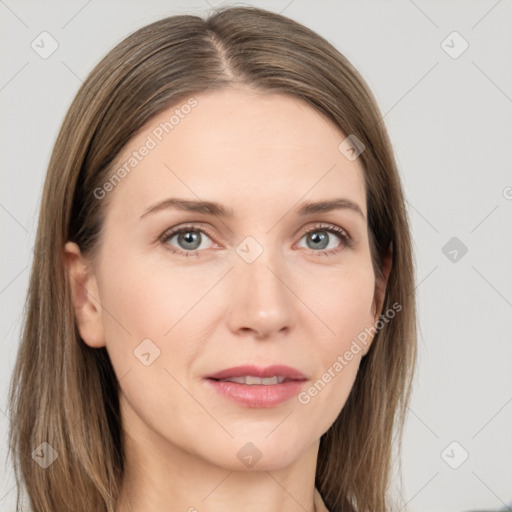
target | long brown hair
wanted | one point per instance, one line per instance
(64, 392)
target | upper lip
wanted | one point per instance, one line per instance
(255, 371)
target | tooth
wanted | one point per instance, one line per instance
(269, 381)
(280, 379)
(238, 380)
(250, 380)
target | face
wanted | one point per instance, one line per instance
(188, 290)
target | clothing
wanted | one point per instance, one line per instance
(319, 502)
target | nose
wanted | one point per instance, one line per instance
(262, 303)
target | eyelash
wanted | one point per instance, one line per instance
(329, 228)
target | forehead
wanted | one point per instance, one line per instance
(238, 146)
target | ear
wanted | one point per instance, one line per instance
(380, 292)
(381, 284)
(85, 296)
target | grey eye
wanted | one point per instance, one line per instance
(190, 240)
(319, 239)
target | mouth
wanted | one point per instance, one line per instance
(258, 387)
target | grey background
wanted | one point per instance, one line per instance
(450, 122)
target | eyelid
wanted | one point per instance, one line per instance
(193, 226)
(340, 232)
(328, 226)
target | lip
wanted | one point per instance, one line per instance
(269, 371)
(258, 396)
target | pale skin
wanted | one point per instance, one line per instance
(262, 156)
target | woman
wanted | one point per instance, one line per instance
(221, 309)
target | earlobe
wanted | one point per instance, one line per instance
(85, 296)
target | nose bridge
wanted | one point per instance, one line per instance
(261, 300)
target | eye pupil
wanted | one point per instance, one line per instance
(319, 236)
(190, 237)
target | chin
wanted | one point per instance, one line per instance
(261, 454)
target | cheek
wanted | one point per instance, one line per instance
(343, 303)
(145, 300)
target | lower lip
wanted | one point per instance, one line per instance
(258, 395)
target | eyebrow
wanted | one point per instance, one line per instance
(212, 208)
